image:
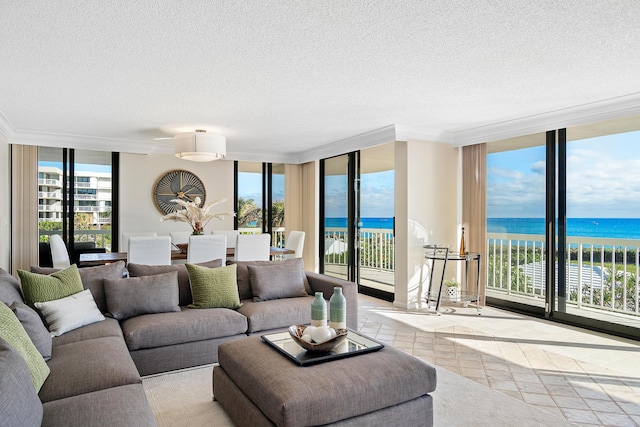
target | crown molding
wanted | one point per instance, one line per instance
(364, 140)
(594, 112)
(6, 128)
(263, 157)
(608, 109)
(80, 142)
(407, 133)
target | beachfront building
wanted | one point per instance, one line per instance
(91, 195)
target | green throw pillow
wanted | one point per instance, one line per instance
(12, 331)
(213, 287)
(43, 287)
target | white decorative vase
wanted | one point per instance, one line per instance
(453, 293)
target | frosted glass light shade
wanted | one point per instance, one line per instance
(200, 146)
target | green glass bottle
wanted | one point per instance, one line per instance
(318, 310)
(337, 309)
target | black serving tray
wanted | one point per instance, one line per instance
(353, 345)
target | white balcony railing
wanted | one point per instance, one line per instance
(277, 237)
(102, 238)
(601, 273)
(50, 182)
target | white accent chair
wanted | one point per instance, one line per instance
(207, 248)
(59, 253)
(126, 235)
(232, 236)
(253, 247)
(295, 242)
(150, 250)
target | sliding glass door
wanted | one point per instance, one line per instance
(357, 198)
(516, 227)
(602, 224)
(77, 190)
(562, 225)
(260, 199)
(339, 216)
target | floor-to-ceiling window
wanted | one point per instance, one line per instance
(377, 218)
(358, 218)
(76, 195)
(277, 204)
(589, 239)
(339, 216)
(260, 199)
(250, 195)
(602, 222)
(516, 220)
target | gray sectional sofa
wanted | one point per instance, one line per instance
(95, 370)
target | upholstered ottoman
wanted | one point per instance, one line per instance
(258, 386)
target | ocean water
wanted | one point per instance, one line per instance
(384, 223)
(614, 228)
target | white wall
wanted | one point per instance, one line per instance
(138, 175)
(426, 212)
(5, 204)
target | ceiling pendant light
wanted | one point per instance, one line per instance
(200, 146)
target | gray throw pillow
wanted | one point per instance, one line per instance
(244, 282)
(92, 278)
(135, 296)
(276, 281)
(10, 290)
(36, 330)
(139, 270)
(18, 399)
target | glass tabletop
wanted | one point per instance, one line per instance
(353, 345)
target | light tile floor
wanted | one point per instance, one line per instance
(586, 377)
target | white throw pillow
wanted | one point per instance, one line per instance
(69, 313)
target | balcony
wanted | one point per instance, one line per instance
(377, 260)
(102, 238)
(50, 182)
(56, 195)
(85, 197)
(602, 274)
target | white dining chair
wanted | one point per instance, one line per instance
(295, 242)
(232, 236)
(126, 235)
(207, 248)
(180, 237)
(59, 253)
(150, 250)
(253, 247)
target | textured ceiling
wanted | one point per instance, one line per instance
(284, 77)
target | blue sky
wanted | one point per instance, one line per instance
(80, 167)
(376, 198)
(376, 195)
(250, 186)
(603, 179)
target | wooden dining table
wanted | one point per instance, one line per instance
(93, 259)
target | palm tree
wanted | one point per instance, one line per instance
(249, 214)
(277, 213)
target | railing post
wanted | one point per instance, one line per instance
(579, 296)
(509, 258)
(380, 252)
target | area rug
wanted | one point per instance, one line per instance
(184, 398)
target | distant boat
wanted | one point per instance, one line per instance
(595, 222)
